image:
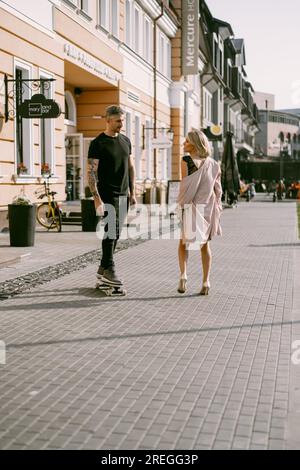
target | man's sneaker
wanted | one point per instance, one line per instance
(110, 277)
(100, 272)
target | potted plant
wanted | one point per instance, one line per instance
(22, 169)
(22, 220)
(45, 169)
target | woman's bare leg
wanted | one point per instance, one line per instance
(182, 257)
(206, 262)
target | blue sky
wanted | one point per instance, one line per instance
(271, 32)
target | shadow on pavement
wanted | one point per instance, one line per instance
(151, 334)
(275, 245)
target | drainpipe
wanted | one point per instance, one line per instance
(155, 85)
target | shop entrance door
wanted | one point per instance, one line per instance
(74, 166)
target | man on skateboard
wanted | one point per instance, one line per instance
(111, 176)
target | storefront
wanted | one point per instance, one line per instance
(90, 86)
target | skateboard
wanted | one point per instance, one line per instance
(110, 290)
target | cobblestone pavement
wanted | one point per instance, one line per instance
(157, 370)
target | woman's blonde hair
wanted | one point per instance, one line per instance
(199, 140)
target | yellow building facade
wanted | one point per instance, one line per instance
(98, 53)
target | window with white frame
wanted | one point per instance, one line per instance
(163, 157)
(137, 142)
(114, 15)
(137, 30)
(104, 14)
(128, 125)
(229, 73)
(169, 164)
(207, 105)
(128, 23)
(70, 109)
(147, 40)
(84, 5)
(168, 58)
(221, 57)
(164, 55)
(23, 127)
(47, 128)
(81, 4)
(149, 152)
(215, 51)
(161, 50)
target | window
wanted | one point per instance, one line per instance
(137, 142)
(23, 127)
(168, 59)
(149, 154)
(137, 39)
(164, 55)
(164, 163)
(115, 18)
(47, 128)
(104, 14)
(70, 109)
(128, 23)
(147, 41)
(128, 125)
(215, 51)
(161, 53)
(84, 5)
(109, 16)
(207, 105)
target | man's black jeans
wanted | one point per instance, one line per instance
(116, 209)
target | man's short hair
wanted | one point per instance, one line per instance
(113, 111)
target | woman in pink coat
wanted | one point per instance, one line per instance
(199, 204)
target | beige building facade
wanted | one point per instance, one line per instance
(98, 53)
(125, 52)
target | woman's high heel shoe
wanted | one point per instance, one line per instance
(182, 286)
(205, 288)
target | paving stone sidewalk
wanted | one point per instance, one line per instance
(157, 370)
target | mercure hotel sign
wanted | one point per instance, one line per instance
(190, 37)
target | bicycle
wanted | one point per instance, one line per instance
(48, 214)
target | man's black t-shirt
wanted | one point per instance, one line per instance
(113, 155)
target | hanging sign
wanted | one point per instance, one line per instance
(39, 107)
(190, 37)
(214, 133)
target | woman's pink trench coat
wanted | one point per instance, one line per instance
(200, 196)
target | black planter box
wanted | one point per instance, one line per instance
(88, 215)
(22, 221)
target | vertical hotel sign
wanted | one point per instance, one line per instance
(190, 37)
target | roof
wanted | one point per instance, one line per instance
(225, 25)
(238, 44)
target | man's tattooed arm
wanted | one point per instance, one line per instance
(92, 176)
(92, 180)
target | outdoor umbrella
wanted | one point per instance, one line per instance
(230, 171)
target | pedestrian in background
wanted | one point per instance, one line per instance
(200, 205)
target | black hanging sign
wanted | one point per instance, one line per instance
(39, 107)
(214, 133)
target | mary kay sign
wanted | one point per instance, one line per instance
(190, 37)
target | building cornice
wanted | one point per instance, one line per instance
(165, 23)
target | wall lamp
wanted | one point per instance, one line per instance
(169, 133)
